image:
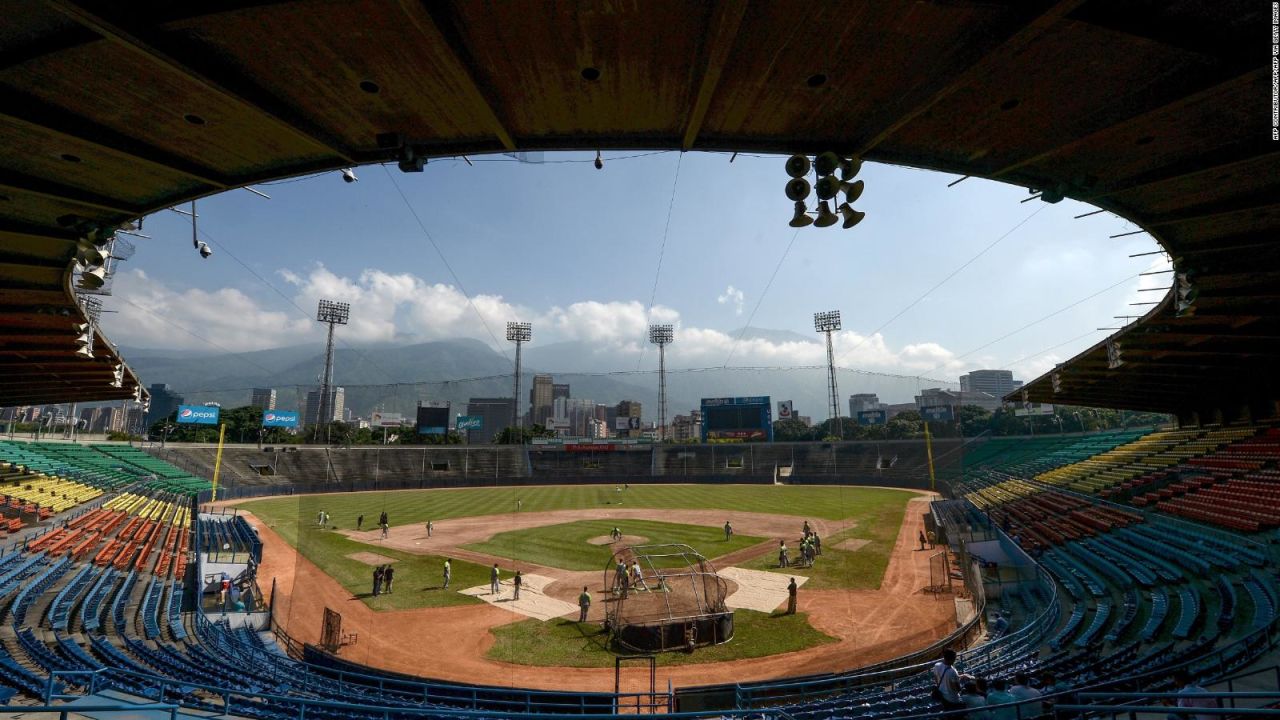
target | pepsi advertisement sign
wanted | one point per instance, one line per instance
(198, 415)
(280, 418)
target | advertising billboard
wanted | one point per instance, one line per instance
(785, 411)
(470, 422)
(280, 418)
(198, 414)
(626, 423)
(941, 413)
(873, 417)
(737, 418)
(386, 419)
(433, 420)
(1033, 409)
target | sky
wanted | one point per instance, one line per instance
(935, 281)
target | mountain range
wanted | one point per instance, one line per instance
(394, 378)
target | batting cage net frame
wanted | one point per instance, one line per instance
(665, 597)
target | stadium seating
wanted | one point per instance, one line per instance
(1138, 592)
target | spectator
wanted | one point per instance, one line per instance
(973, 694)
(1000, 695)
(1191, 695)
(946, 682)
(1001, 624)
(1022, 690)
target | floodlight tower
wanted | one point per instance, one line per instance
(518, 333)
(662, 335)
(827, 323)
(331, 313)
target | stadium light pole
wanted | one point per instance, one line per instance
(827, 323)
(662, 335)
(518, 333)
(332, 313)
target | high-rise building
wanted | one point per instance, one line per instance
(559, 390)
(164, 402)
(540, 399)
(938, 397)
(629, 409)
(311, 413)
(573, 415)
(687, 428)
(264, 398)
(494, 414)
(860, 402)
(996, 383)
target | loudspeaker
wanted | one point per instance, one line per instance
(826, 218)
(801, 218)
(797, 189)
(797, 166)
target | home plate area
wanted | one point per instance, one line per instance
(532, 601)
(757, 589)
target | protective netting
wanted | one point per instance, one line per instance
(665, 597)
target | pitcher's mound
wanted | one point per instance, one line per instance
(626, 540)
(369, 558)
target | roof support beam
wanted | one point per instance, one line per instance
(725, 21)
(429, 19)
(24, 184)
(1235, 84)
(236, 90)
(26, 110)
(1020, 39)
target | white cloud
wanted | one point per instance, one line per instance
(401, 307)
(149, 314)
(734, 296)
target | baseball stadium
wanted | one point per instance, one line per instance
(731, 573)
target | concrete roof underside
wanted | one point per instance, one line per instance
(1157, 111)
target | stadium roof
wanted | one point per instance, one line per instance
(1154, 110)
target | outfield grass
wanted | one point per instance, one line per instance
(565, 643)
(418, 506)
(565, 546)
(835, 569)
(418, 578)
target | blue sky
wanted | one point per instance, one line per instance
(576, 251)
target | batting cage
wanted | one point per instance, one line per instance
(665, 597)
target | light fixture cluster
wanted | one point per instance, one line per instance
(1186, 293)
(93, 250)
(84, 340)
(828, 187)
(1114, 358)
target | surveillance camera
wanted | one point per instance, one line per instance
(205, 250)
(349, 175)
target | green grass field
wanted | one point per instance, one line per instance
(877, 512)
(836, 569)
(418, 578)
(565, 643)
(565, 545)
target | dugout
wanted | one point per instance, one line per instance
(665, 597)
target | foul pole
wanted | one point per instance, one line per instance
(217, 462)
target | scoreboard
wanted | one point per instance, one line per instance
(744, 419)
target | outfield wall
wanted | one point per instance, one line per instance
(898, 463)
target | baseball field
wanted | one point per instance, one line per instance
(861, 591)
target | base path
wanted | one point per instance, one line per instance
(451, 643)
(758, 589)
(533, 602)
